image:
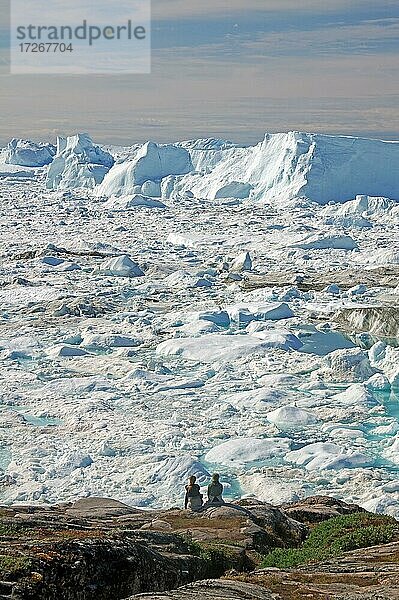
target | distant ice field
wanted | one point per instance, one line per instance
(198, 307)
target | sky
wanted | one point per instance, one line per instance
(231, 69)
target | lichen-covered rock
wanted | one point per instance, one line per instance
(102, 549)
(276, 529)
(365, 574)
(267, 526)
(214, 590)
(110, 567)
(319, 508)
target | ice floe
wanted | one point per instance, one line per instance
(121, 266)
(291, 417)
(240, 451)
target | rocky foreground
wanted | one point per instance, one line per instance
(100, 549)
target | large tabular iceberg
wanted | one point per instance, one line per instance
(78, 164)
(28, 154)
(322, 168)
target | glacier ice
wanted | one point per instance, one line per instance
(29, 154)
(234, 189)
(151, 164)
(78, 163)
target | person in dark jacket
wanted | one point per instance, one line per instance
(193, 497)
(215, 490)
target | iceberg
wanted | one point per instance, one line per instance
(246, 313)
(355, 395)
(291, 417)
(326, 242)
(322, 455)
(78, 164)
(322, 168)
(66, 351)
(362, 204)
(126, 203)
(29, 154)
(183, 280)
(109, 341)
(150, 165)
(347, 365)
(121, 266)
(243, 262)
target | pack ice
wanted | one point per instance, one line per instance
(178, 309)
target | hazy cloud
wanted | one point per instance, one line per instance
(184, 9)
(283, 67)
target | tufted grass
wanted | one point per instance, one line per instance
(334, 537)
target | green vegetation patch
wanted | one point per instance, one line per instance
(334, 537)
(10, 529)
(220, 557)
(11, 566)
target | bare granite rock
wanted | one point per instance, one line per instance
(366, 574)
(319, 508)
(214, 590)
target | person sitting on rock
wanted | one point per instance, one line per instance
(215, 490)
(193, 498)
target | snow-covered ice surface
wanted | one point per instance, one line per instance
(177, 317)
